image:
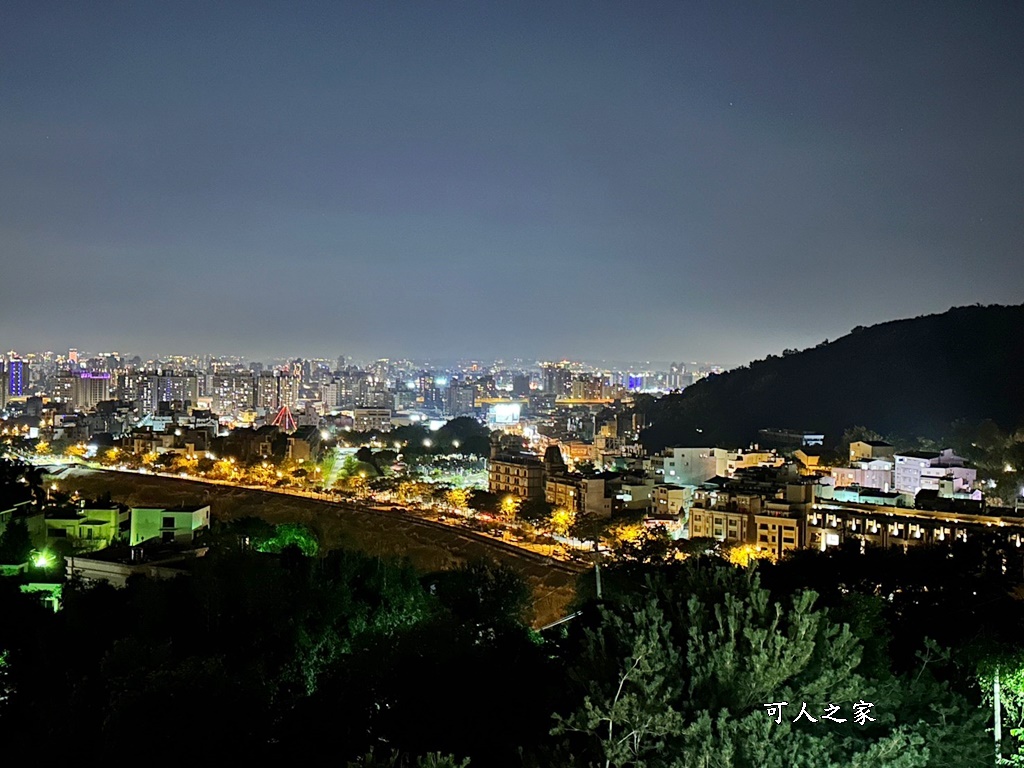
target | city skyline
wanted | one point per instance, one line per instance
(531, 181)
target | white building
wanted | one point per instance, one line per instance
(689, 466)
(917, 470)
(669, 499)
(873, 473)
(179, 524)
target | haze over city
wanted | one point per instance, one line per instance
(603, 181)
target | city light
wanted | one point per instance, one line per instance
(42, 559)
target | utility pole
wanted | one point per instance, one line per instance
(998, 718)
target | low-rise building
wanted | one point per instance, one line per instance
(90, 526)
(867, 450)
(116, 565)
(915, 470)
(668, 499)
(517, 474)
(866, 473)
(178, 524)
(371, 419)
(689, 466)
(719, 523)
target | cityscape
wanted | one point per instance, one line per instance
(526, 386)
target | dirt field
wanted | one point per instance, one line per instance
(428, 546)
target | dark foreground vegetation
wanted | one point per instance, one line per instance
(279, 655)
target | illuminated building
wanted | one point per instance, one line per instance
(689, 466)
(870, 449)
(557, 380)
(232, 393)
(147, 389)
(587, 387)
(461, 400)
(876, 473)
(17, 377)
(917, 470)
(179, 524)
(518, 474)
(667, 499)
(87, 388)
(276, 390)
(86, 528)
(371, 419)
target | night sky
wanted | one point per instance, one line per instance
(696, 181)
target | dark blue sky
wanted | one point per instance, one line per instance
(603, 180)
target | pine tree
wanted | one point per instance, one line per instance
(678, 675)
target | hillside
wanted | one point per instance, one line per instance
(909, 378)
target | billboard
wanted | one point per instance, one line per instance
(504, 414)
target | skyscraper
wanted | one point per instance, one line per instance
(17, 377)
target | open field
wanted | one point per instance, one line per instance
(428, 546)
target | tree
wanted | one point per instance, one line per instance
(457, 497)
(535, 510)
(562, 520)
(395, 760)
(484, 595)
(630, 713)
(732, 650)
(484, 501)
(15, 543)
(290, 534)
(852, 435)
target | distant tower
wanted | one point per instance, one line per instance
(284, 420)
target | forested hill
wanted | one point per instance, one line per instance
(909, 378)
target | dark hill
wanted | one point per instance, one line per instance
(909, 378)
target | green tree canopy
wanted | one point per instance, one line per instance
(679, 673)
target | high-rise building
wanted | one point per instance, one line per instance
(461, 400)
(150, 388)
(520, 385)
(17, 377)
(232, 393)
(557, 380)
(277, 389)
(90, 388)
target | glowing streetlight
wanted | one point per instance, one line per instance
(455, 443)
(426, 442)
(42, 559)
